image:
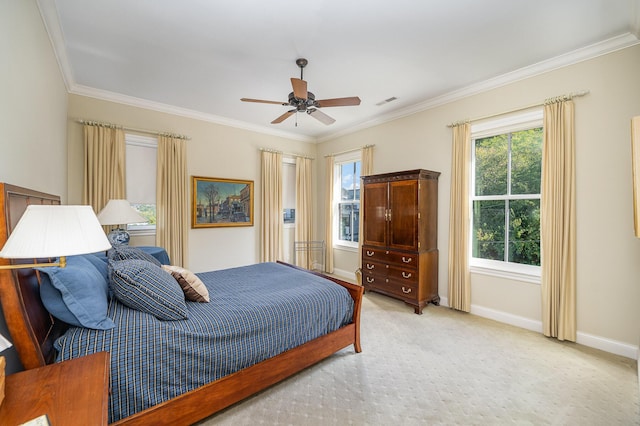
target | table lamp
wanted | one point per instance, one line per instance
(119, 212)
(50, 231)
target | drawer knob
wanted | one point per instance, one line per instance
(370, 280)
(370, 266)
(406, 259)
(406, 275)
(406, 290)
(370, 253)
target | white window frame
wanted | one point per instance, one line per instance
(506, 124)
(147, 142)
(339, 160)
(291, 163)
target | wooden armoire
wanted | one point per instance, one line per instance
(399, 242)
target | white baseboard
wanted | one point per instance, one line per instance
(607, 345)
(348, 275)
(586, 339)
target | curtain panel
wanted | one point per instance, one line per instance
(459, 288)
(304, 210)
(271, 207)
(104, 165)
(328, 214)
(172, 198)
(366, 169)
(558, 221)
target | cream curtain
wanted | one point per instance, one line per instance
(271, 227)
(304, 210)
(104, 165)
(172, 198)
(558, 221)
(459, 281)
(328, 215)
(366, 168)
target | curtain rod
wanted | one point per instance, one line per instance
(546, 101)
(350, 150)
(286, 153)
(132, 129)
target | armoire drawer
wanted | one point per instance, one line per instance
(402, 289)
(404, 275)
(390, 256)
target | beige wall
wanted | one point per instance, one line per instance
(33, 110)
(213, 151)
(608, 293)
(33, 103)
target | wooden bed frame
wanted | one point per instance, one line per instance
(33, 331)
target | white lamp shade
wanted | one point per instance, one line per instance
(52, 231)
(118, 212)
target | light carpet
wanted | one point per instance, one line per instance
(448, 368)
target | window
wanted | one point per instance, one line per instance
(505, 195)
(347, 199)
(289, 191)
(141, 153)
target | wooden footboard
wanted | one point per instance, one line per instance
(215, 396)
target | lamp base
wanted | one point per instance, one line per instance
(118, 237)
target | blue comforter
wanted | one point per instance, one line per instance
(255, 313)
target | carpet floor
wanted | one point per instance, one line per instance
(448, 368)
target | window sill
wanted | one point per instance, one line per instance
(142, 232)
(529, 277)
(344, 247)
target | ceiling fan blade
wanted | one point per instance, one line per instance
(299, 88)
(263, 102)
(321, 116)
(354, 100)
(284, 116)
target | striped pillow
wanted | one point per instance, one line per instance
(143, 286)
(127, 252)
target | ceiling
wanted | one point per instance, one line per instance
(197, 58)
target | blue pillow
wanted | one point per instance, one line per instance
(99, 260)
(76, 294)
(127, 253)
(143, 286)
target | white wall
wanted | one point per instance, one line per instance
(608, 291)
(33, 109)
(213, 151)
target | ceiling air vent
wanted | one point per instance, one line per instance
(386, 101)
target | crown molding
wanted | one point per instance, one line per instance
(105, 95)
(51, 21)
(589, 52)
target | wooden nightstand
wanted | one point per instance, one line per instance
(74, 392)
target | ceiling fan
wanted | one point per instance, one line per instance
(303, 101)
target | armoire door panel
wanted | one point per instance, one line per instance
(375, 214)
(403, 219)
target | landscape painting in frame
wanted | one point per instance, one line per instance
(221, 202)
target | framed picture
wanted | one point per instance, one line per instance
(220, 202)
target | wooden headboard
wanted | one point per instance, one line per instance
(33, 330)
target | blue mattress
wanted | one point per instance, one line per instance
(255, 313)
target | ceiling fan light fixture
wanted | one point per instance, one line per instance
(302, 100)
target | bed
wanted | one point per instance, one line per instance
(192, 391)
